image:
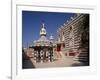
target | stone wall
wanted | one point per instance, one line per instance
(75, 35)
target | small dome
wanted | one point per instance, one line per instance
(51, 37)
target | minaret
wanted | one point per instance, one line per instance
(43, 30)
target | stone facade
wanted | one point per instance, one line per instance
(72, 35)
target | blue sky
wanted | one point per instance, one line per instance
(32, 20)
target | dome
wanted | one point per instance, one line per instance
(43, 30)
(42, 41)
(51, 37)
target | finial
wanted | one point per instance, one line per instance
(72, 18)
(64, 24)
(43, 25)
(67, 21)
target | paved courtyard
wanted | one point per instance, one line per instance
(60, 62)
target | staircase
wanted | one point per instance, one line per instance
(84, 56)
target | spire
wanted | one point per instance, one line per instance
(43, 25)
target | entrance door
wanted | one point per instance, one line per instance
(59, 47)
